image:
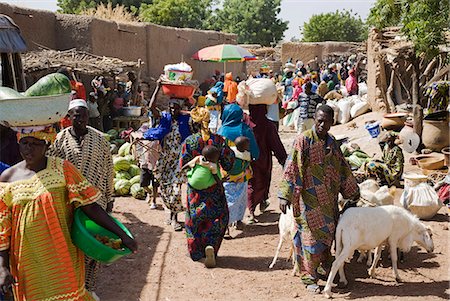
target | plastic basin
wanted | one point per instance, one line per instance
(178, 91)
(83, 232)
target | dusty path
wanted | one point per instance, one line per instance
(162, 271)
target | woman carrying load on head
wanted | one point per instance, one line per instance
(236, 182)
(173, 128)
(207, 210)
(38, 197)
(269, 142)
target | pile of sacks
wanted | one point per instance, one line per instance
(347, 108)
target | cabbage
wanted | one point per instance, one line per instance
(122, 187)
(51, 84)
(134, 170)
(135, 179)
(121, 164)
(137, 191)
(130, 159)
(123, 175)
(124, 149)
(113, 133)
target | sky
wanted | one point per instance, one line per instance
(296, 12)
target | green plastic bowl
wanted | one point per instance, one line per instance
(83, 236)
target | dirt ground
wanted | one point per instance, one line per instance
(162, 270)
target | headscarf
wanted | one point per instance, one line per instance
(201, 115)
(42, 132)
(233, 126)
(218, 89)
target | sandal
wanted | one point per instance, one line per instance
(176, 226)
(313, 288)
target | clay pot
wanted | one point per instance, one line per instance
(394, 121)
(435, 134)
(446, 152)
(431, 163)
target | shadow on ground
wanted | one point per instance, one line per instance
(260, 264)
(117, 280)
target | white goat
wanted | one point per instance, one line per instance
(371, 227)
(287, 227)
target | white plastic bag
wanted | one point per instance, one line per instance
(421, 200)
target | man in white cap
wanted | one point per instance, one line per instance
(87, 149)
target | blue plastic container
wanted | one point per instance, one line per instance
(373, 128)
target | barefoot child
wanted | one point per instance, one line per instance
(240, 173)
(149, 151)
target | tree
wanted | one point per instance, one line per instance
(342, 26)
(177, 13)
(77, 6)
(424, 22)
(254, 21)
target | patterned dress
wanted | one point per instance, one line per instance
(93, 158)
(315, 173)
(207, 211)
(35, 222)
(168, 172)
(391, 169)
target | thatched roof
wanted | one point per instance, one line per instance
(10, 39)
(78, 61)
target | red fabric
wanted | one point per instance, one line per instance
(351, 84)
(269, 142)
(65, 122)
(444, 193)
(79, 88)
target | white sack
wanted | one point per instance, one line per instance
(359, 108)
(257, 91)
(421, 200)
(344, 111)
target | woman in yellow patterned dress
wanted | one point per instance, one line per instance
(37, 199)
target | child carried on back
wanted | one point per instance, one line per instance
(242, 159)
(204, 170)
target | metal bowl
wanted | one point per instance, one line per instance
(132, 111)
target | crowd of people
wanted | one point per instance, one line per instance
(223, 155)
(107, 100)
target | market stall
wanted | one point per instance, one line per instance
(11, 46)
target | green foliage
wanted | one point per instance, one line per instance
(77, 6)
(177, 13)
(342, 26)
(424, 22)
(255, 21)
(385, 13)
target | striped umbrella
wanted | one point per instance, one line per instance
(223, 53)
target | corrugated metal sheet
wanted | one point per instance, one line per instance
(10, 38)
